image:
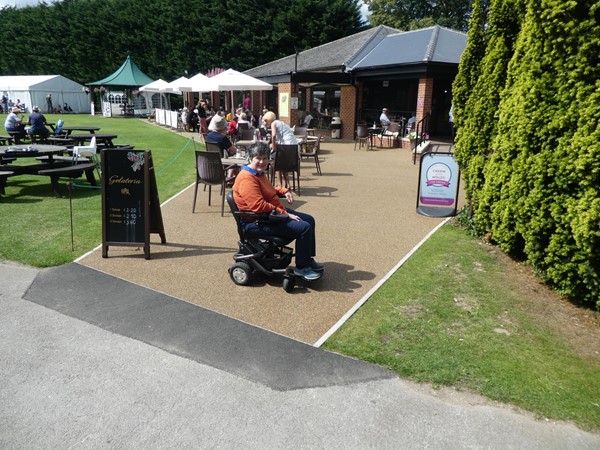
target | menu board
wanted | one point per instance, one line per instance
(439, 181)
(130, 205)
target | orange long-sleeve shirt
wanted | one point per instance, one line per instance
(256, 193)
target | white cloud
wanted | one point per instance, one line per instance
(20, 3)
(364, 11)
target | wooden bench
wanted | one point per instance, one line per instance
(80, 160)
(73, 171)
(4, 174)
(6, 140)
(17, 136)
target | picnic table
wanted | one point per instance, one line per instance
(50, 166)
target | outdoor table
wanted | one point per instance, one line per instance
(234, 161)
(374, 131)
(69, 130)
(21, 151)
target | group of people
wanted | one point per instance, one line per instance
(196, 119)
(8, 104)
(36, 122)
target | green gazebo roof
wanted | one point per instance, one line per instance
(127, 75)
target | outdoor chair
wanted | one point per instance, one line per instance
(210, 172)
(314, 153)
(287, 160)
(391, 134)
(362, 137)
(214, 147)
(87, 152)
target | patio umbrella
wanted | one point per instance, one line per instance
(232, 80)
(159, 86)
(198, 83)
(174, 86)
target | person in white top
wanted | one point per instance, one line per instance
(307, 119)
(384, 119)
(243, 119)
(281, 134)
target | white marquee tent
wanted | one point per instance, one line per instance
(33, 89)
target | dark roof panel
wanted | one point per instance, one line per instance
(331, 56)
(434, 44)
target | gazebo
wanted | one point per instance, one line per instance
(120, 93)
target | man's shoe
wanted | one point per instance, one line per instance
(307, 273)
(317, 267)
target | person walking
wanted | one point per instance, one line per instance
(49, 103)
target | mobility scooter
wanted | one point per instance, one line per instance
(264, 254)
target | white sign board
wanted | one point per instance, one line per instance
(439, 178)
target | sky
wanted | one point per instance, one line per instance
(18, 3)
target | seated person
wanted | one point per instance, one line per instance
(244, 119)
(37, 123)
(307, 119)
(252, 191)
(217, 129)
(13, 123)
(384, 119)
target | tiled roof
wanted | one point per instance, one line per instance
(333, 56)
(377, 47)
(434, 44)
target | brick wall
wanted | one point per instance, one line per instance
(348, 110)
(424, 97)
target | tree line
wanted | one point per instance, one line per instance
(527, 111)
(86, 40)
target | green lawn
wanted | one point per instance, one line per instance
(39, 224)
(453, 315)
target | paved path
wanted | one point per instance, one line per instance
(364, 204)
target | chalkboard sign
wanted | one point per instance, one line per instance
(130, 205)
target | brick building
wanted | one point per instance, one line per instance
(410, 73)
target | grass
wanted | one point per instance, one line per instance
(39, 224)
(453, 316)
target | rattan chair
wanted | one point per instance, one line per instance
(287, 160)
(210, 172)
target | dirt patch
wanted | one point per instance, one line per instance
(579, 326)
